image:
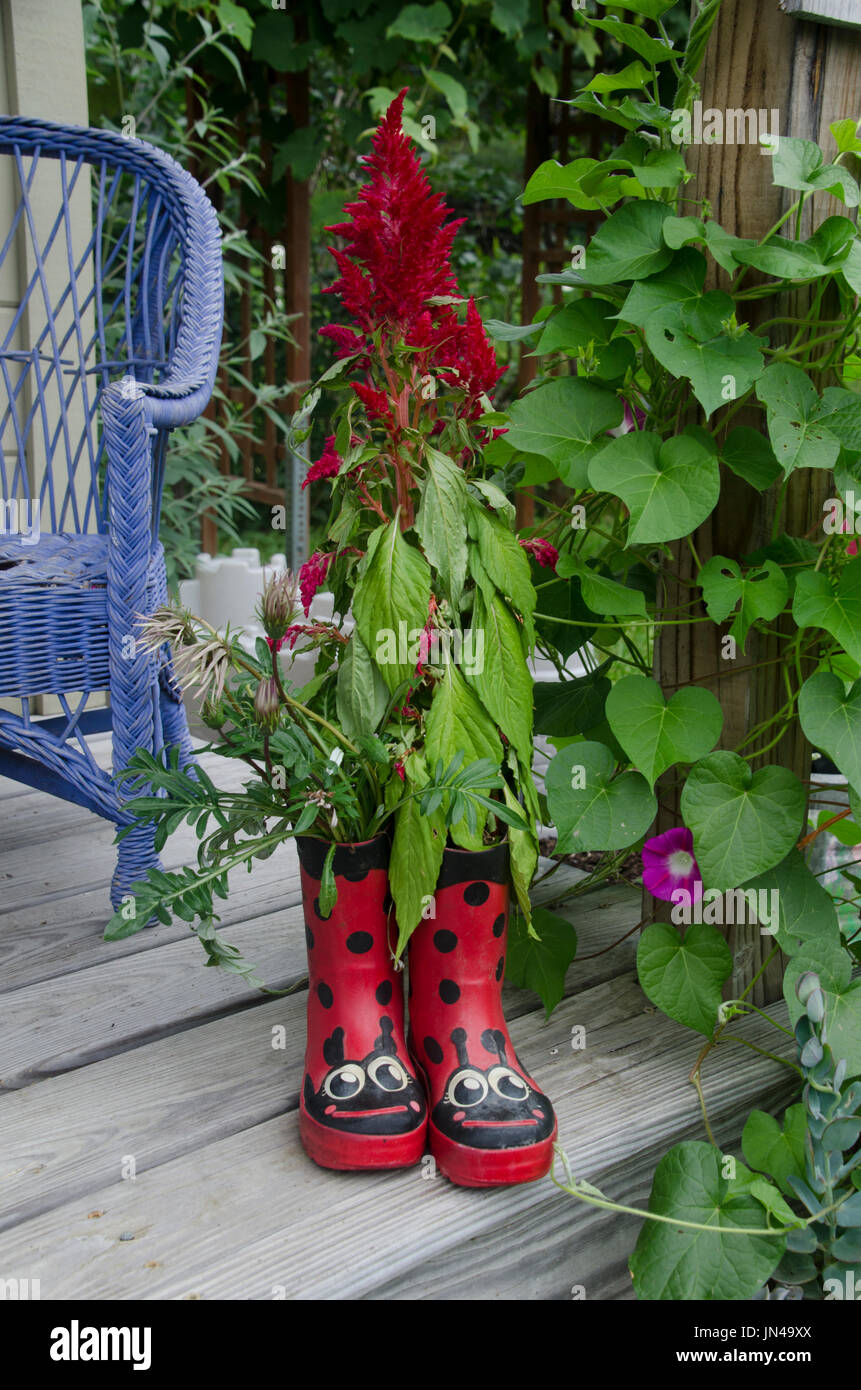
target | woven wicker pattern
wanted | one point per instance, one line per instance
(113, 343)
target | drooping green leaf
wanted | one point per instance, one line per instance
(684, 975)
(633, 76)
(761, 593)
(656, 733)
(457, 722)
(836, 607)
(743, 822)
(574, 326)
(417, 850)
(391, 598)
(639, 40)
(540, 962)
(831, 720)
(750, 456)
(554, 180)
(567, 708)
(504, 560)
(590, 808)
(361, 694)
(439, 522)
(806, 910)
(601, 593)
(563, 618)
(566, 421)
(503, 683)
(669, 486)
(773, 1149)
(672, 1262)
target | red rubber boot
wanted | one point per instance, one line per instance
(361, 1105)
(489, 1122)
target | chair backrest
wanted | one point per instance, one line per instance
(99, 237)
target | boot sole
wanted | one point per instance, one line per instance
(351, 1152)
(469, 1167)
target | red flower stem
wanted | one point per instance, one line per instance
(847, 811)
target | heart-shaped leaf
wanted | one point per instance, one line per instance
(762, 592)
(797, 419)
(818, 602)
(590, 808)
(750, 456)
(743, 822)
(566, 421)
(805, 909)
(655, 733)
(720, 367)
(775, 1150)
(684, 975)
(600, 593)
(539, 962)
(800, 164)
(675, 1262)
(668, 486)
(831, 720)
(681, 283)
(628, 246)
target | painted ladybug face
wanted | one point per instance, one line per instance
(374, 1096)
(495, 1108)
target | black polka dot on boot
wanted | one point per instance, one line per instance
(449, 992)
(309, 937)
(444, 940)
(383, 992)
(500, 966)
(499, 925)
(325, 995)
(474, 894)
(433, 1051)
(359, 942)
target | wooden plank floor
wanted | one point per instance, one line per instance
(149, 1144)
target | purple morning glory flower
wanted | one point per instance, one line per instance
(669, 864)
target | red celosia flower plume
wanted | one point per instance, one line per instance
(326, 466)
(398, 242)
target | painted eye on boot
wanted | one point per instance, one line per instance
(388, 1074)
(345, 1082)
(507, 1083)
(466, 1088)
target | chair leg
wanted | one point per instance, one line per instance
(174, 724)
(136, 854)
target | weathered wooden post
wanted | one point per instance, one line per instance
(758, 57)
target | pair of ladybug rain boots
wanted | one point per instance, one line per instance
(369, 1098)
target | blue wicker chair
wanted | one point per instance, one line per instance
(105, 347)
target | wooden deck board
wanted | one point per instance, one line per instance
(133, 1048)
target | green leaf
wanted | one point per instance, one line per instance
(439, 522)
(417, 851)
(674, 1263)
(831, 720)
(457, 722)
(845, 132)
(563, 600)
(800, 164)
(577, 325)
(750, 456)
(328, 884)
(806, 910)
(540, 963)
(503, 685)
(567, 708)
(565, 420)
(775, 1150)
(628, 246)
(509, 16)
(799, 434)
(421, 23)
(453, 91)
(554, 180)
(684, 975)
(504, 560)
(669, 486)
(761, 593)
(743, 822)
(361, 696)
(231, 16)
(652, 50)
(681, 283)
(590, 808)
(634, 75)
(393, 589)
(819, 602)
(656, 734)
(602, 594)
(719, 365)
